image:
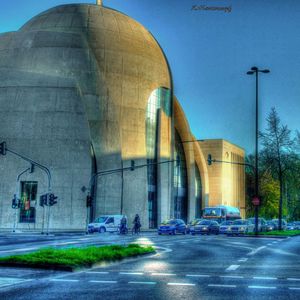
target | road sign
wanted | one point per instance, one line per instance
(255, 201)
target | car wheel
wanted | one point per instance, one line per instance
(174, 232)
(193, 233)
(184, 232)
(159, 233)
(102, 229)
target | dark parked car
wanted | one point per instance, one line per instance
(172, 226)
(297, 225)
(270, 226)
(205, 227)
(283, 224)
(291, 226)
(224, 226)
(191, 224)
(262, 224)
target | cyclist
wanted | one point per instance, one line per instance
(123, 224)
(136, 224)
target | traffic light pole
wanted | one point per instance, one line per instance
(131, 168)
(17, 193)
(4, 150)
(210, 161)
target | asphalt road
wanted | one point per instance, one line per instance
(185, 267)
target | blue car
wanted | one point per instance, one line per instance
(172, 226)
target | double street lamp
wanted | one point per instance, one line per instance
(255, 70)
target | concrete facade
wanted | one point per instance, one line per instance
(226, 181)
(85, 89)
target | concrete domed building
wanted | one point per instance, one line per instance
(84, 89)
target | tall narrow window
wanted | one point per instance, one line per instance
(159, 99)
(180, 181)
(28, 201)
(198, 192)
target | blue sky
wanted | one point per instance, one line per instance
(210, 53)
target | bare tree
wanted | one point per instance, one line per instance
(278, 153)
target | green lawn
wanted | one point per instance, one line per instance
(280, 233)
(74, 258)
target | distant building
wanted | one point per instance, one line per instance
(226, 180)
(85, 89)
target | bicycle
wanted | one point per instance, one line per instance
(122, 230)
(136, 229)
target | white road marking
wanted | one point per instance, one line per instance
(197, 275)
(19, 250)
(7, 281)
(131, 273)
(181, 284)
(103, 281)
(293, 279)
(270, 244)
(265, 278)
(96, 272)
(275, 242)
(294, 288)
(261, 287)
(232, 267)
(142, 282)
(162, 274)
(243, 259)
(256, 250)
(67, 243)
(222, 285)
(231, 276)
(65, 280)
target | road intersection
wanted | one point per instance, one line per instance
(184, 267)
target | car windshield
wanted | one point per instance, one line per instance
(169, 222)
(239, 222)
(204, 223)
(226, 223)
(100, 220)
(212, 211)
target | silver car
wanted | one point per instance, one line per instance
(240, 227)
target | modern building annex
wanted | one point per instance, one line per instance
(85, 89)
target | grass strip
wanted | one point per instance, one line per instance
(74, 258)
(279, 233)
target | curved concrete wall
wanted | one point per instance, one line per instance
(80, 75)
(194, 159)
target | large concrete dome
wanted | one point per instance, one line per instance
(73, 77)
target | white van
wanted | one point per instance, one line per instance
(109, 223)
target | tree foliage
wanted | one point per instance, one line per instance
(279, 171)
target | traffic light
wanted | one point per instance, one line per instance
(14, 202)
(89, 200)
(52, 199)
(3, 148)
(44, 200)
(132, 165)
(209, 160)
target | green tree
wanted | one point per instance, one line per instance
(278, 154)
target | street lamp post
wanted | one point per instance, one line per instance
(255, 70)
